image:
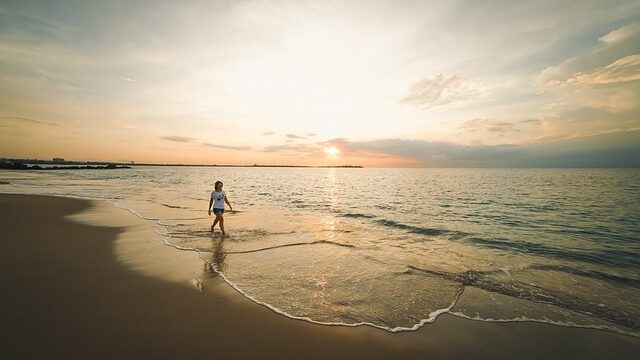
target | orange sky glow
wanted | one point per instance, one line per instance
(384, 83)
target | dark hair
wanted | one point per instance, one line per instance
(215, 187)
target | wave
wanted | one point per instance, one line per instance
(357, 215)
(468, 278)
(212, 267)
(545, 321)
(587, 273)
(138, 214)
(419, 230)
(176, 206)
(291, 244)
(430, 319)
(207, 233)
(177, 231)
(536, 294)
(610, 257)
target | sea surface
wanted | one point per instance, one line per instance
(395, 248)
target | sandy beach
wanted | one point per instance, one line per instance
(67, 295)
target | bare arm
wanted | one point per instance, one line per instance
(226, 199)
(209, 208)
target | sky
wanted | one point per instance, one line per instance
(372, 83)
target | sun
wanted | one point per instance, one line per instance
(331, 150)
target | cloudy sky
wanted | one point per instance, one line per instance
(374, 83)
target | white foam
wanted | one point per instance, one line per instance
(432, 316)
(156, 220)
(430, 319)
(547, 321)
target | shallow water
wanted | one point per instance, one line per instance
(394, 248)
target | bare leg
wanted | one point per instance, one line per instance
(222, 225)
(214, 223)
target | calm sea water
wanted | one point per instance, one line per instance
(395, 248)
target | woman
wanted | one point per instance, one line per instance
(218, 198)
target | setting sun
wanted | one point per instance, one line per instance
(331, 151)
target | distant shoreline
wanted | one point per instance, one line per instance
(21, 167)
(256, 165)
(120, 165)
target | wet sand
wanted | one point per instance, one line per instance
(69, 292)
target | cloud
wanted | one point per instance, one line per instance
(297, 148)
(294, 136)
(429, 153)
(441, 90)
(483, 125)
(622, 70)
(584, 121)
(181, 139)
(268, 133)
(492, 131)
(613, 46)
(18, 119)
(227, 147)
(604, 78)
(612, 98)
(613, 149)
(621, 34)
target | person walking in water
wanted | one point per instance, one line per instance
(218, 198)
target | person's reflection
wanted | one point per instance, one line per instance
(217, 254)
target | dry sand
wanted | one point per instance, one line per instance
(69, 292)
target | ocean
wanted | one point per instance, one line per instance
(395, 248)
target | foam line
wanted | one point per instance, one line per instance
(537, 294)
(432, 316)
(549, 322)
(292, 244)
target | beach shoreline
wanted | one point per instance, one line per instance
(69, 294)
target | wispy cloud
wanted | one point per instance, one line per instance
(294, 136)
(227, 147)
(19, 119)
(621, 34)
(268, 133)
(604, 78)
(501, 131)
(297, 148)
(180, 139)
(614, 46)
(442, 90)
(622, 70)
(479, 125)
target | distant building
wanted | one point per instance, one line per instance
(58, 160)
